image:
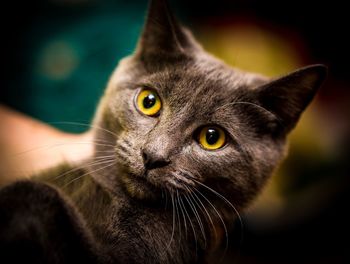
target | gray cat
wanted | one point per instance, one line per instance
(183, 143)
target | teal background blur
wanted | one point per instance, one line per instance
(68, 52)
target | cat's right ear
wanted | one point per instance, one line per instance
(162, 35)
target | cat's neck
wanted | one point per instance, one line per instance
(149, 232)
(126, 229)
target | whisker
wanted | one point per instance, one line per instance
(178, 215)
(194, 195)
(104, 151)
(81, 176)
(229, 203)
(59, 144)
(193, 229)
(84, 124)
(99, 144)
(173, 227)
(222, 221)
(166, 199)
(100, 140)
(197, 218)
(104, 157)
(92, 163)
(183, 216)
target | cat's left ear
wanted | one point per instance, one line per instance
(162, 34)
(288, 96)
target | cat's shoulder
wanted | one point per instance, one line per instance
(39, 213)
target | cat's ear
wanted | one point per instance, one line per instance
(288, 96)
(162, 34)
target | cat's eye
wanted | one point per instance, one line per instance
(212, 137)
(148, 102)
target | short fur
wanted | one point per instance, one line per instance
(118, 210)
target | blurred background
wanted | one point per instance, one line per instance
(57, 56)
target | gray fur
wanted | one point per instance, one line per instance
(124, 204)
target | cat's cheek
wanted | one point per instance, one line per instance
(143, 125)
(212, 156)
(207, 162)
(135, 120)
(129, 164)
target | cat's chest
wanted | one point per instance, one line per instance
(131, 233)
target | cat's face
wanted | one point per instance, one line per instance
(182, 118)
(202, 127)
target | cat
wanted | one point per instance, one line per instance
(182, 144)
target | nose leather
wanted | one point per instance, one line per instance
(153, 160)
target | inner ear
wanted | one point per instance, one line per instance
(288, 96)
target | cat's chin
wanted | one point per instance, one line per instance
(137, 187)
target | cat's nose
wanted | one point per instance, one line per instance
(153, 160)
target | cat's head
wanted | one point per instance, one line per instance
(180, 118)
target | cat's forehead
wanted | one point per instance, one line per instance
(201, 85)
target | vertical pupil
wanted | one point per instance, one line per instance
(212, 136)
(149, 101)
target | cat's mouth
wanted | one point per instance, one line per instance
(139, 187)
(151, 185)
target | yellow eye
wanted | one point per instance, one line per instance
(212, 138)
(148, 102)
